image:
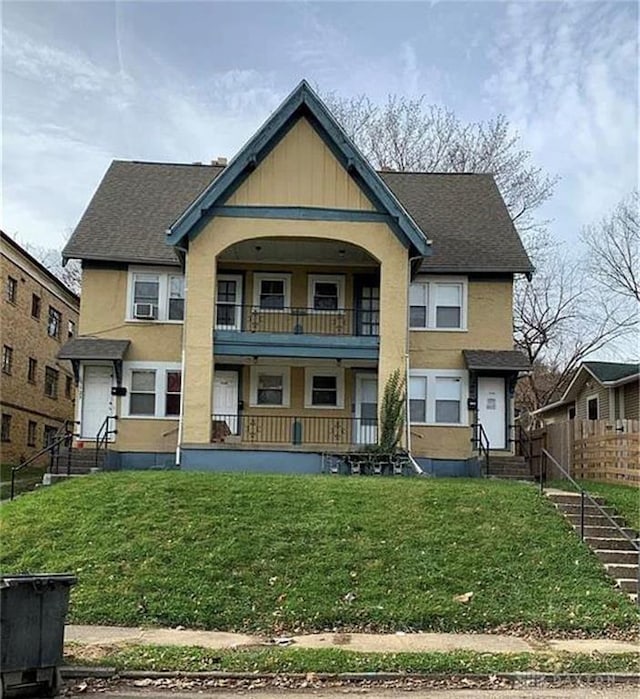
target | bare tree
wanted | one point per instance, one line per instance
(613, 248)
(408, 134)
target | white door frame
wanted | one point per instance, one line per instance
(81, 393)
(502, 443)
(234, 427)
(238, 278)
(363, 434)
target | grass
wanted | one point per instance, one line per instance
(275, 554)
(26, 479)
(336, 660)
(624, 498)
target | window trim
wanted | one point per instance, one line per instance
(12, 283)
(7, 360)
(55, 394)
(37, 306)
(259, 277)
(163, 274)
(161, 369)
(32, 361)
(431, 282)
(586, 405)
(338, 279)
(5, 437)
(258, 369)
(53, 310)
(239, 280)
(309, 373)
(431, 375)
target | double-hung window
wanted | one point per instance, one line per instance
(438, 304)
(36, 305)
(173, 392)
(156, 296)
(326, 293)
(51, 382)
(32, 369)
(54, 322)
(270, 387)
(438, 397)
(12, 290)
(271, 292)
(154, 391)
(7, 359)
(228, 302)
(142, 400)
(324, 388)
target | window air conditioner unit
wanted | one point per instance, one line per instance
(145, 311)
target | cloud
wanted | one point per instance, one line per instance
(566, 75)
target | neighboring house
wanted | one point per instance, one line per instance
(248, 316)
(39, 314)
(599, 391)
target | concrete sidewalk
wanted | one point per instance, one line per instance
(364, 643)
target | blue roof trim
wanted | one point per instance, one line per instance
(303, 101)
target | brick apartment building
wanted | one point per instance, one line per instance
(38, 314)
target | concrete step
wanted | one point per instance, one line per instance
(617, 556)
(595, 520)
(629, 585)
(622, 571)
(571, 509)
(608, 543)
(570, 498)
(604, 532)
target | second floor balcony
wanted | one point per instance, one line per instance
(273, 329)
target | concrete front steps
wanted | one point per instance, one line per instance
(617, 554)
(509, 467)
(83, 462)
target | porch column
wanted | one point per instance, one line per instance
(394, 277)
(198, 347)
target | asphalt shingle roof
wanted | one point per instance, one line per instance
(612, 371)
(93, 348)
(506, 360)
(463, 214)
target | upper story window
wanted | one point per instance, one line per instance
(51, 382)
(36, 305)
(156, 296)
(68, 387)
(31, 371)
(7, 359)
(438, 305)
(12, 290)
(54, 322)
(71, 329)
(271, 291)
(438, 397)
(326, 293)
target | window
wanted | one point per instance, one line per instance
(172, 396)
(418, 399)
(592, 408)
(228, 302)
(12, 290)
(142, 400)
(49, 435)
(7, 359)
(324, 388)
(71, 329)
(270, 387)
(51, 382)
(176, 298)
(32, 428)
(36, 305)
(31, 371)
(571, 413)
(54, 322)
(438, 397)
(326, 293)
(448, 400)
(271, 291)
(156, 295)
(438, 305)
(68, 387)
(6, 428)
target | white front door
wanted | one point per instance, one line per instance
(97, 401)
(225, 399)
(365, 427)
(492, 409)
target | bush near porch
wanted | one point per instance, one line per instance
(300, 553)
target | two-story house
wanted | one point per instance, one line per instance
(38, 315)
(247, 316)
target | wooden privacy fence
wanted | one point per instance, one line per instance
(596, 450)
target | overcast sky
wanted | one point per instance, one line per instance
(87, 82)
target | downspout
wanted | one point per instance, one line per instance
(416, 466)
(182, 360)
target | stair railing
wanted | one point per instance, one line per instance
(584, 496)
(102, 436)
(63, 435)
(481, 442)
(523, 441)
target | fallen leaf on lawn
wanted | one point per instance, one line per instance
(463, 598)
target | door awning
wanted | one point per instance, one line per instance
(85, 348)
(496, 360)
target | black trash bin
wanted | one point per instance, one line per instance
(32, 614)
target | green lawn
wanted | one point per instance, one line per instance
(284, 553)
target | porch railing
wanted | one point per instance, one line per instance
(297, 320)
(293, 430)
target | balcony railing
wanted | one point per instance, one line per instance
(293, 430)
(297, 320)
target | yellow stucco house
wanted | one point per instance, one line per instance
(247, 316)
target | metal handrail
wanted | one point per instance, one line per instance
(522, 439)
(483, 445)
(102, 436)
(49, 449)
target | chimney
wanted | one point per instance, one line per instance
(220, 160)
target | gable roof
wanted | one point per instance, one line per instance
(136, 202)
(607, 372)
(302, 102)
